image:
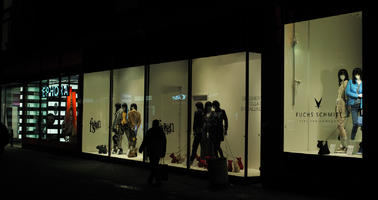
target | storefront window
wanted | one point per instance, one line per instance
(96, 113)
(218, 85)
(167, 98)
(68, 108)
(254, 117)
(32, 110)
(128, 109)
(323, 94)
(12, 110)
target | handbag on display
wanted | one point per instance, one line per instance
(323, 149)
(163, 170)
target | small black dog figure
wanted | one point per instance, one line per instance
(102, 149)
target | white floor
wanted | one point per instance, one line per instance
(167, 160)
(331, 154)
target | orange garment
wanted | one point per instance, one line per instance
(71, 102)
(134, 118)
(124, 118)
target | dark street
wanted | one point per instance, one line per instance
(42, 175)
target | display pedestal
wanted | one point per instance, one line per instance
(218, 173)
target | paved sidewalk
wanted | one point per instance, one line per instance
(42, 175)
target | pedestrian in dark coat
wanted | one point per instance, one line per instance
(154, 144)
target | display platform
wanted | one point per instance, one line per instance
(139, 157)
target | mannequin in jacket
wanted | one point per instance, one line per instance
(117, 129)
(341, 111)
(354, 93)
(197, 130)
(134, 120)
(208, 130)
(220, 128)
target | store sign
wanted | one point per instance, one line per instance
(94, 125)
(326, 116)
(180, 97)
(168, 128)
(54, 91)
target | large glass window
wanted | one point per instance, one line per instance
(96, 113)
(12, 110)
(50, 99)
(254, 114)
(323, 86)
(220, 79)
(128, 109)
(32, 118)
(168, 91)
(68, 108)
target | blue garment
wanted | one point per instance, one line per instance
(351, 92)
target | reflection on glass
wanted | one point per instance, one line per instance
(128, 108)
(33, 117)
(96, 113)
(13, 111)
(168, 103)
(321, 116)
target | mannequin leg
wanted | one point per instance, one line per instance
(115, 143)
(354, 111)
(196, 142)
(342, 132)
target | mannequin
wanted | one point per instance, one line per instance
(208, 129)
(197, 130)
(341, 112)
(354, 93)
(116, 127)
(220, 130)
(124, 120)
(134, 120)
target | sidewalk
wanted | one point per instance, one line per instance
(43, 175)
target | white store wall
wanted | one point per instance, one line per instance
(96, 104)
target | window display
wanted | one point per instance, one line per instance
(167, 102)
(219, 85)
(59, 109)
(12, 110)
(115, 127)
(323, 86)
(96, 113)
(254, 115)
(128, 100)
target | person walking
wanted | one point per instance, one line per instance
(154, 144)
